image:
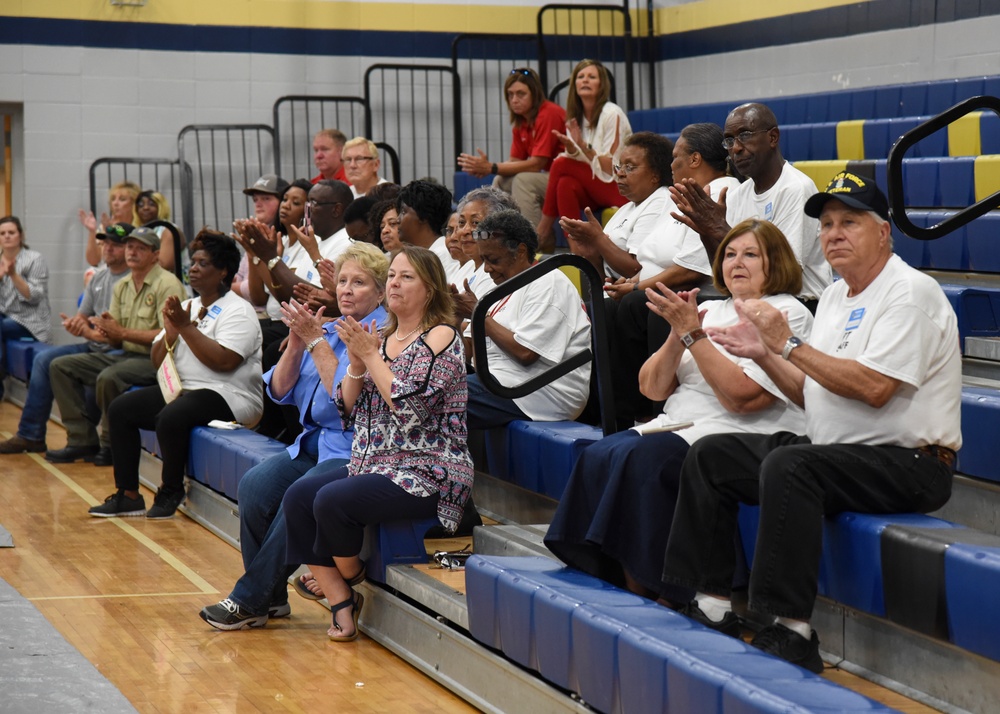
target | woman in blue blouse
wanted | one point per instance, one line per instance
(306, 376)
(404, 393)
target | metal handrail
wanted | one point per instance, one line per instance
(599, 354)
(894, 173)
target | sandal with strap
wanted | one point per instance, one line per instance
(300, 587)
(356, 601)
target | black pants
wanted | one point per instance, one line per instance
(145, 409)
(795, 483)
(636, 333)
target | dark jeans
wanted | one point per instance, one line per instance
(326, 514)
(145, 409)
(795, 483)
(38, 403)
(486, 410)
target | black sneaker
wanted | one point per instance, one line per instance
(227, 615)
(728, 625)
(790, 646)
(164, 505)
(277, 611)
(118, 504)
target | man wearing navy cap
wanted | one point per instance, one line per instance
(882, 356)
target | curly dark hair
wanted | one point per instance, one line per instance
(430, 201)
(222, 251)
(706, 139)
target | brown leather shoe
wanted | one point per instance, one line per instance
(17, 445)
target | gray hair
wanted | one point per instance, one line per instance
(493, 197)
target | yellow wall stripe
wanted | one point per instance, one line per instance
(851, 140)
(964, 137)
(987, 174)
(469, 16)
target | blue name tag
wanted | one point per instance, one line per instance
(768, 211)
(854, 321)
(214, 311)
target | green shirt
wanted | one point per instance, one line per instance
(143, 310)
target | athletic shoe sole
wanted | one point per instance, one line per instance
(246, 624)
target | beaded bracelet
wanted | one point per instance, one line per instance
(356, 376)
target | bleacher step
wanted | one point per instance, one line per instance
(511, 540)
(974, 503)
(987, 348)
(449, 656)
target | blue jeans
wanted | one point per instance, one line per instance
(487, 409)
(38, 404)
(262, 528)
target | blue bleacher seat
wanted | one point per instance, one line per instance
(19, 355)
(542, 454)
(395, 542)
(972, 574)
(220, 457)
(980, 426)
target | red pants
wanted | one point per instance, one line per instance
(572, 186)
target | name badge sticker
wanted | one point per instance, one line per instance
(854, 321)
(214, 311)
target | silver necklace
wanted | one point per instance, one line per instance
(403, 338)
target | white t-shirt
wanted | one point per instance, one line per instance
(481, 282)
(901, 326)
(693, 399)
(450, 265)
(783, 205)
(298, 261)
(690, 252)
(612, 123)
(354, 191)
(232, 322)
(548, 317)
(633, 223)
(464, 272)
(332, 247)
(673, 243)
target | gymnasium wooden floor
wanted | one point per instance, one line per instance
(126, 593)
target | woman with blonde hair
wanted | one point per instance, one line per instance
(404, 393)
(153, 210)
(121, 204)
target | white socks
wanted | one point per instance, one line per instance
(715, 608)
(797, 626)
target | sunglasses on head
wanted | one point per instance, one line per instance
(525, 72)
(115, 230)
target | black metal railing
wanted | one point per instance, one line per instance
(163, 175)
(569, 33)
(483, 62)
(409, 107)
(224, 159)
(894, 173)
(599, 353)
(297, 118)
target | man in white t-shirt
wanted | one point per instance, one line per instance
(776, 191)
(882, 356)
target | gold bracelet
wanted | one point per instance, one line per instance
(355, 376)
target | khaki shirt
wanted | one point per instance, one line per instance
(143, 310)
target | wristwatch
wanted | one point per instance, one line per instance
(312, 344)
(693, 336)
(494, 169)
(273, 261)
(790, 345)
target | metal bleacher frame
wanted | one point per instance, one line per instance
(234, 165)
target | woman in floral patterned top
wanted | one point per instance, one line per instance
(405, 396)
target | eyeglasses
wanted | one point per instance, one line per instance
(358, 159)
(480, 234)
(628, 168)
(525, 72)
(743, 137)
(312, 203)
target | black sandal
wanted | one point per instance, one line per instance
(299, 586)
(356, 601)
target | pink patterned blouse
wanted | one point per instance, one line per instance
(420, 441)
